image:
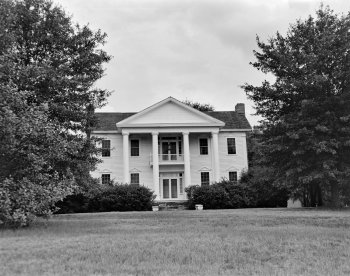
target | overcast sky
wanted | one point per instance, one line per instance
(196, 50)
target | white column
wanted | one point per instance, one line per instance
(215, 147)
(126, 175)
(155, 164)
(187, 159)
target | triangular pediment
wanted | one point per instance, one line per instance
(170, 112)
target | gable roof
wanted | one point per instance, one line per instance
(170, 112)
(224, 119)
(232, 120)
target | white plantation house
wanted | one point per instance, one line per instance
(169, 146)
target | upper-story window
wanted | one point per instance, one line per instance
(205, 180)
(232, 176)
(106, 148)
(203, 146)
(135, 147)
(231, 145)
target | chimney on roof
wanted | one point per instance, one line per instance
(239, 108)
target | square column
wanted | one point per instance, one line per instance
(126, 175)
(215, 147)
(187, 159)
(155, 164)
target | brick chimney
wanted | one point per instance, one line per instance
(239, 108)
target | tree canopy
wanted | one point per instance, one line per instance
(307, 108)
(48, 69)
(199, 106)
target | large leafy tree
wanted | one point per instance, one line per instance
(47, 75)
(199, 106)
(306, 137)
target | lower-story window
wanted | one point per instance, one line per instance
(232, 176)
(134, 178)
(105, 178)
(205, 178)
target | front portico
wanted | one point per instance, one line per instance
(170, 158)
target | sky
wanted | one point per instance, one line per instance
(197, 50)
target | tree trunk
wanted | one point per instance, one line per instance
(312, 192)
(319, 195)
(335, 196)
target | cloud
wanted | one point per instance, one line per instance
(194, 49)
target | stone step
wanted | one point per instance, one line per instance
(172, 206)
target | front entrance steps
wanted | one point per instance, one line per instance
(172, 206)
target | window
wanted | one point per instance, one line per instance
(232, 176)
(203, 146)
(181, 184)
(106, 148)
(135, 147)
(134, 178)
(231, 146)
(106, 179)
(205, 178)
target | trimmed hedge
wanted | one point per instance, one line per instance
(120, 197)
(221, 195)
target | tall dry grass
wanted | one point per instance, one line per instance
(211, 242)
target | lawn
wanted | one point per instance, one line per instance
(209, 242)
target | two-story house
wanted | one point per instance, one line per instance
(170, 145)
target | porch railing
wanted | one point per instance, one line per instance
(168, 158)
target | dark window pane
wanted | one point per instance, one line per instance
(135, 152)
(231, 146)
(106, 148)
(205, 178)
(181, 184)
(106, 178)
(232, 176)
(134, 178)
(203, 142)
(173, 188)
(203, 146)
(135, 147)
(165, 188)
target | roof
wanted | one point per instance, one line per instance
(166, 113)
(232, 120)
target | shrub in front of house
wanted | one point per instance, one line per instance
(220, 195)
(76, 203)
(122, 197)
(114, 197)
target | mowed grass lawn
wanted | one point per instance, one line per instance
(209, 242)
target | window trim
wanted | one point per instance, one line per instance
(205, 183)
(138, 176)
(227, 145)
(199, 144)
(135, 139)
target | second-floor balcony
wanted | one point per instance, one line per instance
(168, 159)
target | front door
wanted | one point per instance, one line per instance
(170, 188)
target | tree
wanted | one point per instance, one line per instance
(199, 106)
(47, 75)
(307, 108)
